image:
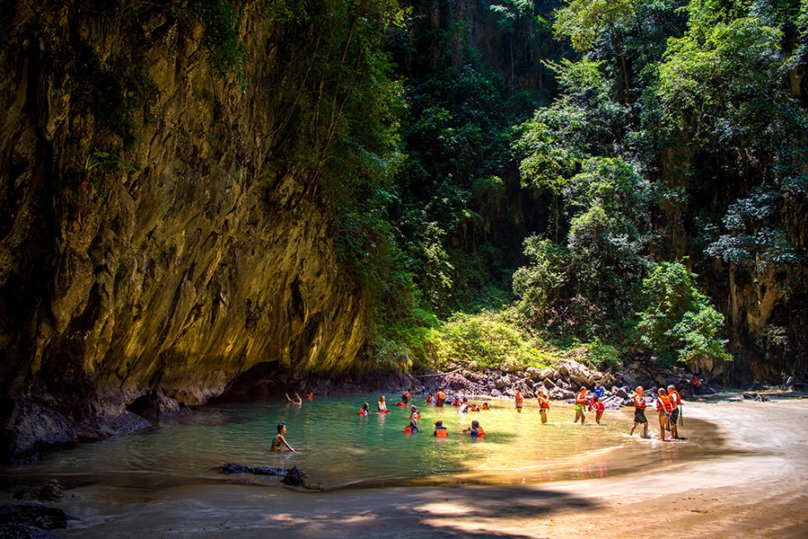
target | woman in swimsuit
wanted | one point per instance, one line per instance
(279, 440)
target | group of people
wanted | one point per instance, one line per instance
(668, 404)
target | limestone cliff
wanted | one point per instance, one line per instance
(166, 276)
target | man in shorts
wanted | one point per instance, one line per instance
(639, 413)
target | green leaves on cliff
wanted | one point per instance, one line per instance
(680, 323)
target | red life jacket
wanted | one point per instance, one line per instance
(639, 402)
(665, 402)
(675, 401)
(441, 433)
(580, 398)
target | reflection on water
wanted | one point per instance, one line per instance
(338, 448)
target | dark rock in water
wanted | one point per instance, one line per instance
(52, 492)
(21, 531)
(33, 514)
(750, 395)
(293, 478)
(232, 467)
(622, 393)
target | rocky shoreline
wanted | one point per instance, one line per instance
(35, 429)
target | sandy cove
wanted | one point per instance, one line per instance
(759, 489)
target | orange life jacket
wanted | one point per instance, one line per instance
(544, 404)
(518, 397)
(441, 395)
(675, 401)
(363, 412)
(667, 405)
(580, 398)
(441, 433)
(639, 402)
(480, 432)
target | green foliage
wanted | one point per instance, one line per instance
(603, 356)
(488, 338)
(221, 25)
(538, 283)
(679, 319)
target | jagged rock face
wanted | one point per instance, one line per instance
(168, 280)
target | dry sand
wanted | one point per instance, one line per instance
(757, 490)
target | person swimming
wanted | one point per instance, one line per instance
(381, 406)
(279, 440)
(365, 409)
(440, 430)
(295, 400)
(414, 413)
(430, 400)
(476, 430)
(485, 406)
(440, 398)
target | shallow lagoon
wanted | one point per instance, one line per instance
(340, 449)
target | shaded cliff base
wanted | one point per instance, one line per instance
(756, 491)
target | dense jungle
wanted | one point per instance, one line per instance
(195, 192)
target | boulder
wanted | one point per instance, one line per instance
(546, 374)
(33, 514)
(473, 366)
(21, 531)
(502, 383)
(533, 373)
(608, 381)
(52, 492)
(622, 393)
(548, 383)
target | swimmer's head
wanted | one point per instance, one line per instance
(475, 424)
(438, 423)
(671, 386)
(281, 426)
(639, 389)
(414, 407)
(366, 406)
(381, 398)
(662, 391)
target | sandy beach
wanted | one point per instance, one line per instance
(757, 490)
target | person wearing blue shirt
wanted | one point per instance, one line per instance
(599, 390)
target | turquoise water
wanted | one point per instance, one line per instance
(338, 448)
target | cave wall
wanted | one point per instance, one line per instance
(169, 278)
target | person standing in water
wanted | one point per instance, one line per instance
(295, 400)
(639, 413)
(598, 408)
(544, 405)
(440, 398)
(676, 402)
(279, 440)
(518, 398)
(381, 406)
(580, 403)
(597, 393)
(664, 407)
(365, 409)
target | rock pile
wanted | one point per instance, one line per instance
(561, 382)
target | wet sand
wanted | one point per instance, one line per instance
(759, 488)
